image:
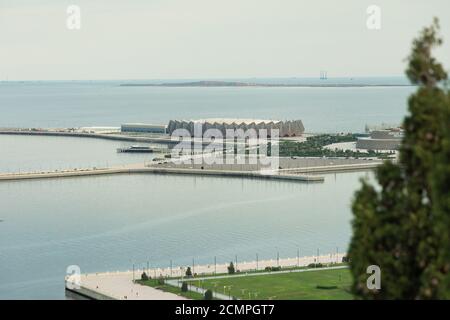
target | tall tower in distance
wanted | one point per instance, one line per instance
(323, 75)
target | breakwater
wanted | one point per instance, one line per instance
(106, 136)
(133, 169)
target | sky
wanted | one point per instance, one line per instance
(198, 39)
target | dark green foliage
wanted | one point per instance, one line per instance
(231, 269)
(272, 269)
(188, 272)
(144, 276)
(423, 68)
(314, 147)
(403, 226)
(184, 287)
(326, 287)
(208, 295)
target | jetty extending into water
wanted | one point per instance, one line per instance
(292, 173)
(107, 136)
(142, 169)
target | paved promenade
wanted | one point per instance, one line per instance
(119, 285)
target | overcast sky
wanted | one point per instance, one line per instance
(156, 39)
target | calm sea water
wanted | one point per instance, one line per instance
(40, 153)
(109, 223)
(66, 104)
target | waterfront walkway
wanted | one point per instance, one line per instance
(120, 285)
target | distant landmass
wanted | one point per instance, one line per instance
(250, 84)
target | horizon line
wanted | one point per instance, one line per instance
(205, 78)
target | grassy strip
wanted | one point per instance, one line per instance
(208, 275)
(311, 266)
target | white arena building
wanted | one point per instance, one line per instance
(289, 128)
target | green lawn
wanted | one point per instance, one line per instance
(288, 286)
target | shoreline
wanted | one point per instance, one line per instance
(119, 285)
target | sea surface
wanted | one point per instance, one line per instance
(97, 103)
(20, 153)
(108, 223)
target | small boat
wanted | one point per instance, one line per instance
(136, 149)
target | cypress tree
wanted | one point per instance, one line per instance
(402, 224)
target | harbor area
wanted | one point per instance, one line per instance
(209, 161)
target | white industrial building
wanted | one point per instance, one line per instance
(381, 140)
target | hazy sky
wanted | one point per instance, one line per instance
(155, 39)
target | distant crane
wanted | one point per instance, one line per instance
(323, 75)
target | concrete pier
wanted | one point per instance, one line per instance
(333, 168)
(161, 139)
(135, 169)
(303, 174)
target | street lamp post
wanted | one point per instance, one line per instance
(278, 258)
(337, 254)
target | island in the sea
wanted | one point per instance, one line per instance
(214, 83)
